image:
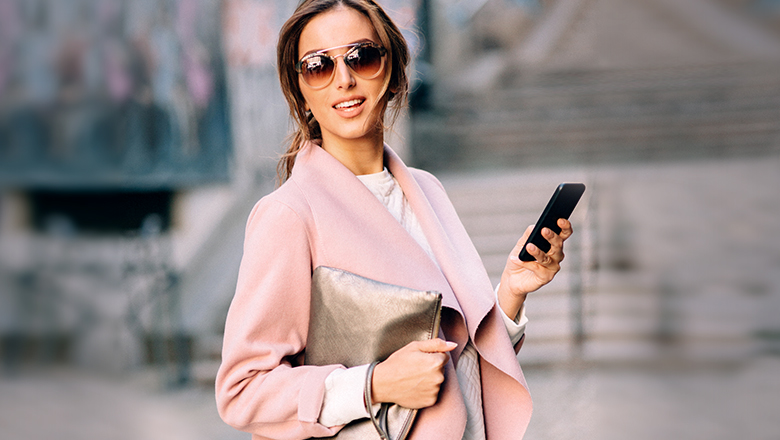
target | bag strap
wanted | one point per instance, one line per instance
(380, 420)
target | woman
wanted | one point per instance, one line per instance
(349, 202)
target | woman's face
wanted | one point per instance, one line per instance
(348, 108)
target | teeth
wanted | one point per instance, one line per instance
(348, 103)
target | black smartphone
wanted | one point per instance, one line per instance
(561, 205)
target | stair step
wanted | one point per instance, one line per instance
(591, 117)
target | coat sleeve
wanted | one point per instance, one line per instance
(260, 386)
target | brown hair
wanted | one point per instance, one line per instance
(396, 82)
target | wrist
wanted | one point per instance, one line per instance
(510, 302)
(377, 385)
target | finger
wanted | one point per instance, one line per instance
(436, 345)
(556, 244)
(566, 229)
(541, 257)
(556, 240)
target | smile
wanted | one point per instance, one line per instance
(348, 104)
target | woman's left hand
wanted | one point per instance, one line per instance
(523, 277)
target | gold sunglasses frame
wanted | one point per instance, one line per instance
(353, 47)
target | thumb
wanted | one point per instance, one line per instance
(436, 345)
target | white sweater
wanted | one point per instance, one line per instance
(343, 400)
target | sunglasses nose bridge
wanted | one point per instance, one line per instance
(342, 74)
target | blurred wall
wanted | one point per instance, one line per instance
(135, 136)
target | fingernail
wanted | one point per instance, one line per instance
(451, 344)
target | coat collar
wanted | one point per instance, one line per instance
(326, 181)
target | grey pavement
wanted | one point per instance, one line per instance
(79, 405)
(618, 402)
(570, 402)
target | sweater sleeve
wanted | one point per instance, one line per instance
(515, 327)
(261, 387)
(343, 400)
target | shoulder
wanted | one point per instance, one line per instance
(285, 205)
(426, 180)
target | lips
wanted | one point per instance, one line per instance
(352, 103)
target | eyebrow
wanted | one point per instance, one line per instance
(364, 40)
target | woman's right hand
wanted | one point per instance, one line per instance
(411, 377)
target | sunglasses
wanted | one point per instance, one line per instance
(365, 60)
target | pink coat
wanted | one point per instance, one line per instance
(323, 215)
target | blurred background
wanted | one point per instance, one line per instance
(135, 136)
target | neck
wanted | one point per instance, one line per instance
(361, 156)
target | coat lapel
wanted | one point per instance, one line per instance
(460, 264)
(384, 249)
(454, 265)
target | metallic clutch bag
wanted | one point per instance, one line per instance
(356, 321)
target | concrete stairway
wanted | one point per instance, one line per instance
(598, 308)
(598, 117)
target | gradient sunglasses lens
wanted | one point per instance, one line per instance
(317, 70)
(365, 60)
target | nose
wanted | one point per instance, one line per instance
(343, 76)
